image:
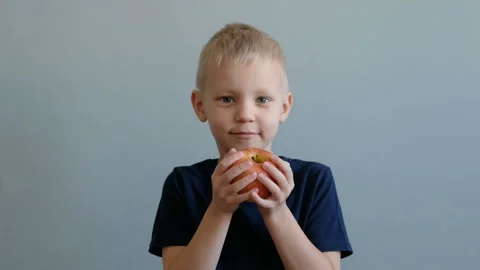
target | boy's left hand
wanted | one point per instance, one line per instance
(280, 186)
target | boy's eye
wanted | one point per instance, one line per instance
(226, 99)
(263, 99)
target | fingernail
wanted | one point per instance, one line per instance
(266, 164)
(253, 175)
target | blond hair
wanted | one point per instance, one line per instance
(239, 43)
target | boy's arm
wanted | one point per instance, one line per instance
(301, 248)
(203, 251)
(171, 228)
(295, 249)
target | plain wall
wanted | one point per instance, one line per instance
(95, 112)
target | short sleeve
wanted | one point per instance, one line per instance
(325, 225)
(170, 224)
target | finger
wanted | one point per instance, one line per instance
(227, 161)
(237, 170)
(270, 185)
(276, 174)
(285, 168)
(229, 153)
(265, 203)
(239, 198)
(282, 165)
(240, 184)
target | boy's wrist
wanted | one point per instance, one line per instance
(276, 215)
(217, 213)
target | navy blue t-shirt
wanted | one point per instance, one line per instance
(187, 193)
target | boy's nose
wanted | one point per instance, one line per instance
(244, 113)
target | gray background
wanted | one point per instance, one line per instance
(95, 112)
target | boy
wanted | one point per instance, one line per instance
(202, 221)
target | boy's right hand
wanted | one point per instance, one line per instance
(225, 197)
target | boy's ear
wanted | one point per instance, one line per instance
(286, 107)
(197, 105)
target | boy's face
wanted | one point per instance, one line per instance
(243, 104)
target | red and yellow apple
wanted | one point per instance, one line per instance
(258, 156)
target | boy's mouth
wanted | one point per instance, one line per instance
(244, 134)
(241, 133)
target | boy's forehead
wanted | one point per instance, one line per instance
(253, 75)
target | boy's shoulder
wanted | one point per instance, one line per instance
(194, 171)
(309, 171)
(313, 180)
(194, 177)
(303, 165)
(198, 167)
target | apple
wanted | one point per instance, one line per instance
(258, 156)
